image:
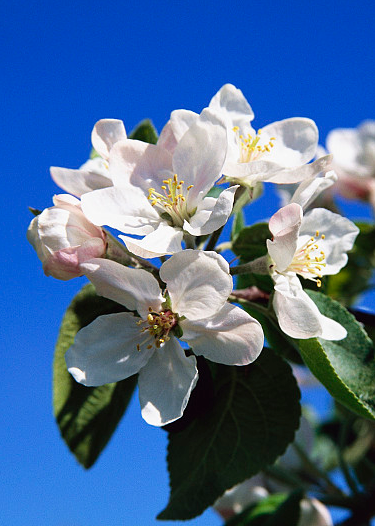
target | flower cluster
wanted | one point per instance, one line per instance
(158, 197)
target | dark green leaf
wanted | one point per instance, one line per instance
(215, 191)
(254, 415)
(251, 242)
(86, 416)
(345, 367)
(145, 131)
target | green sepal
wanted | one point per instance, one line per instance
(145, 131)
(345, 367)
(86, 416)
(34, 211)
(252, 419)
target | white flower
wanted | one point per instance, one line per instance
(311, 246)
(353, 152)
(117, 346)
(93, 174)
(63, 238)
(278, 153)
(251, 491)
(161, 195)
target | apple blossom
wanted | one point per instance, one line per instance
(63, 238)
(252, 491)
(193, 307)
(278, 153)
(353, 152)
(162, 196)
(311, 246)
(93, 173)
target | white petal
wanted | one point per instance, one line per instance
(106, 350)
(176, 127)
(199, 157)
(231, 336)
(198, 283)
(284, 226)
(297, 314)
(206, 221)
(296, 141)
(314, 513)
(164, 240)
(339, 232)
(346, 145)
(231, 103)
(105, 134)
(126, 209)
(309, 189)
(79, 182)
(165, 384)
(141, 164)
(136, 289)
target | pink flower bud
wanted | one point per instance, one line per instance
(63, 238)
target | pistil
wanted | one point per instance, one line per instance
(158, 325)
(308, 261)
(172, 201)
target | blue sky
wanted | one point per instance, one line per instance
(66, 65)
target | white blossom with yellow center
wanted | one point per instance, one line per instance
(193, 308)
(281, 154)
(311, 246)
(162, 196)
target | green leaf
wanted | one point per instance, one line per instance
(34, 211)
(86, 416)
(254, 415)
(251, 242)
(345, 367)
(145, 131)
(275, 510)
(214, 191)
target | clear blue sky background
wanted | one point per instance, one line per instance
(66, 65)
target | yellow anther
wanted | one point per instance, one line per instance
(317, 233)
(138, 347)
(175, 178)
(189, 187)
(235, 128)
(318, 283)
(163, 187)
(323, 236)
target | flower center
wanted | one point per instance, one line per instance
(249, 149)
(308, 261)
(172, 201)
(158, 325)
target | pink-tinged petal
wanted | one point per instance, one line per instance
(126, 209)
(141, 164)
(136, 289)
(65, 264)
(297, 314)
(284, 226)
(198, 283)
(339, 236)
(296, 141)
(207, 219)
(230, 102)
(162, 241)
(79, 182)
(199, 157)
(105, 134)
(231, 336)
(165, 384)
(106, 350)
(176, 127)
